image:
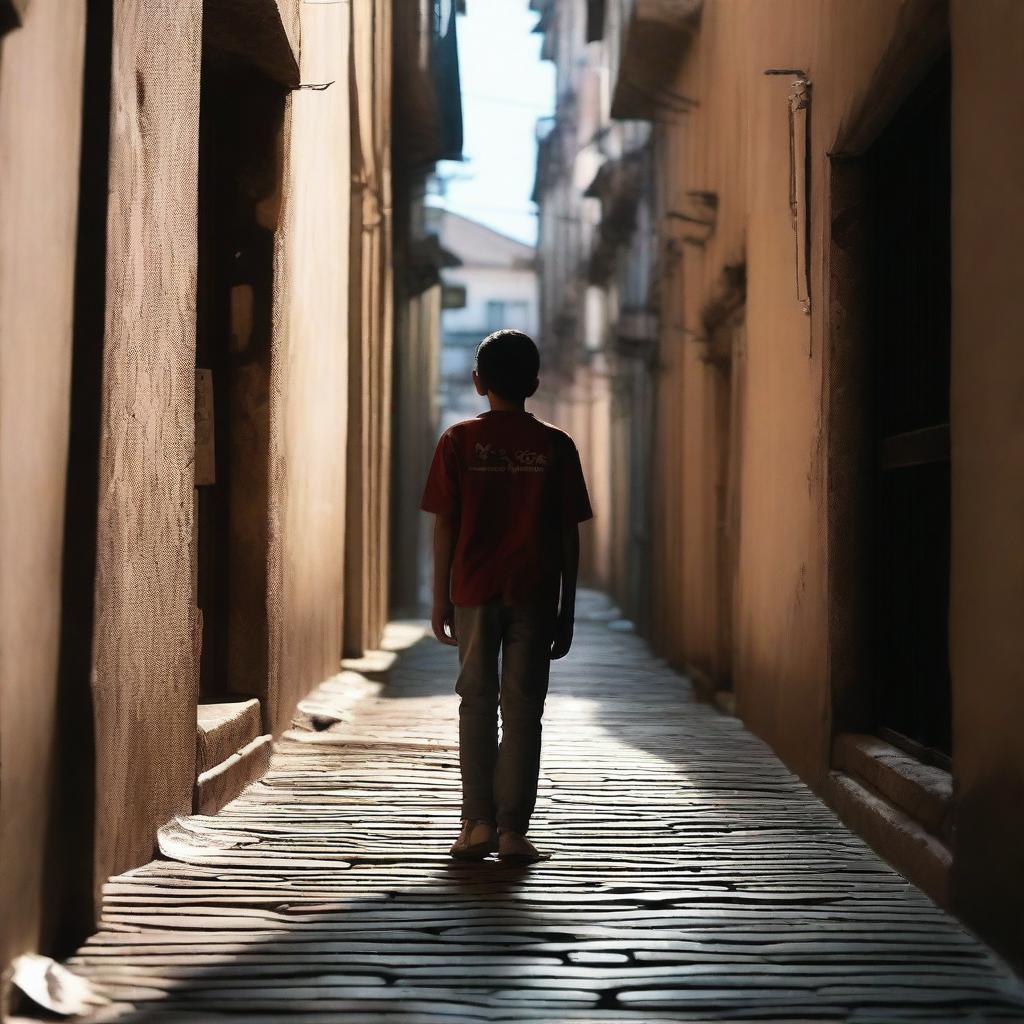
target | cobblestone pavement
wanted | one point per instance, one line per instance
(692, 876)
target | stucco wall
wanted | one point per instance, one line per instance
(144, 658)
(736, 144)
(369, 328)
(38, 212)
(384, 297)
(144, 651)
(416, 416)
(987, 606)
(309, 373)
(862, 60)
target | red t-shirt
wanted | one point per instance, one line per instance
(513, 483)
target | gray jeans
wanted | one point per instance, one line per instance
(499, 782)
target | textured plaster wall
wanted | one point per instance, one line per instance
(309, 372)
(601, 534)
(987, 642)
(370, 280)
(416, 418)
(384, 297)
(736, 144)
(862, 61)
(39, 143)
(144, 651)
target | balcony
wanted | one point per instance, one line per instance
(427, 91)
(654, 38)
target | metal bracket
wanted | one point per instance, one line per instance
(799, 177)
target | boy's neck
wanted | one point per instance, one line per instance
(499, 404)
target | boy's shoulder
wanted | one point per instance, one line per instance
(474, 426)
(559, 435)
(463, 425)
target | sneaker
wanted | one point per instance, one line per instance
(515, 848)
(476, 840)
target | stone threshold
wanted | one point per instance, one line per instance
(708, 690)
(231, 753)
(899, 806)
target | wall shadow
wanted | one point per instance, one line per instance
(70, 849)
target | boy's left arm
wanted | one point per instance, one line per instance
(442, 616)
(567, 606)
(441, 497)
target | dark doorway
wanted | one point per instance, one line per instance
(908, 183)
(725, 328)
(71, 844)
(239, 198)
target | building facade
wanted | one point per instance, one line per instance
(835, 502)
(492, 286)
(196, 321)
(598, 297)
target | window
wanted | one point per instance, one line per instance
(505, 313)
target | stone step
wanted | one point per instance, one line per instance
(911, 849)
(921, 791)
(231, 753)
(373, 664)
(222, 783)
(223, 728)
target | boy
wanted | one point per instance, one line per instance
(508, 494)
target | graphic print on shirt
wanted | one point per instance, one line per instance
(510, 526)
(490, 459)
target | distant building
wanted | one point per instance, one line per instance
(494, 286)
(598, 297)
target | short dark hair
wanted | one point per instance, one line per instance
(508, 363)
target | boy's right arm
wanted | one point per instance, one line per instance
(442, 616)
(575, 510)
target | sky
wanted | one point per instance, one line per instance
(505, 88)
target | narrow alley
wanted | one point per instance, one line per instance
(692, 877)
(324, 319)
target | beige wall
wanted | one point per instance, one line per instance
(309, 373)
(987, 641)
(780, 651)
(146, 648)
(862, 60)
(598, 449)
(416, 414)
(144, 652)
(38, 212)
(145, 635)
(384, 296)
(366, 569)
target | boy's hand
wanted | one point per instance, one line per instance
(442, 616)
(563, 637)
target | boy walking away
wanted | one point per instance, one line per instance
(508, 494)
